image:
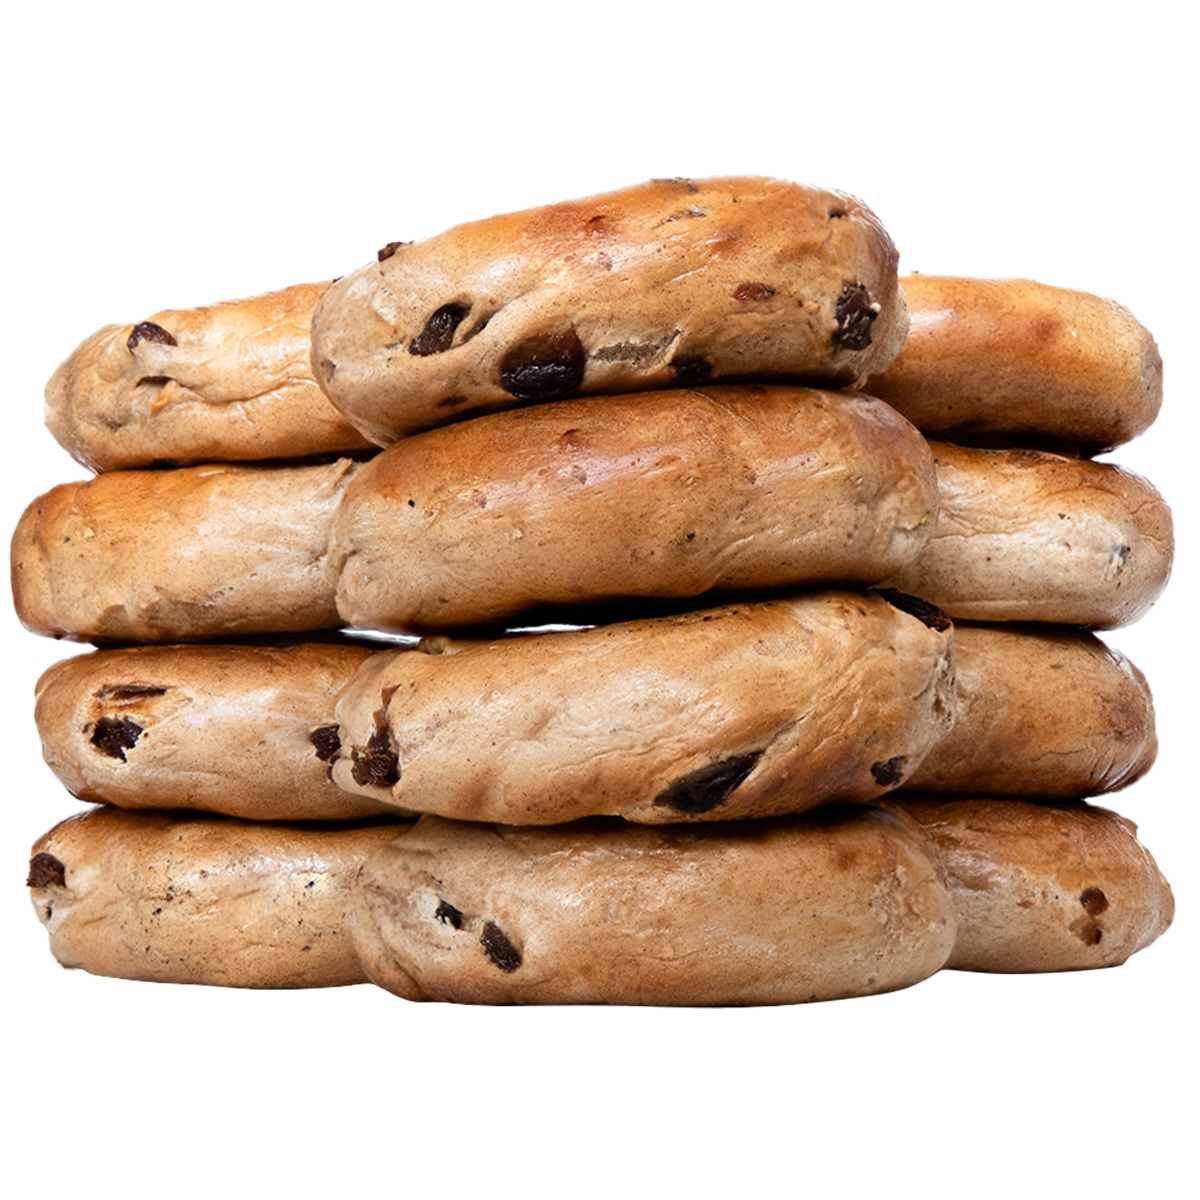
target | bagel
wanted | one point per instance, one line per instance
(1041, 887)
(1009, 361)
(665, 494)
(1025, 535)
(829, 905)
(672, 281)
(1041, 711)
(748, 710)
(232, 381)
(217, 551)
(241, 730)
(174, 898)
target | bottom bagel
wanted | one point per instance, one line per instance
(192, 898)
(844, 902)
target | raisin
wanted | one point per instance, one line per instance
(147, 331)
(378, 765)
(926, 613)
(389, 250)
(1094, 902)
(448, 914)
(691, 370)
(114, 735)
(548, 366)
(46, 871)
(326, 741)
(889, 772)
(746, 293)
(855, 314)
(499, 949)
(438, 334)
(710, 786)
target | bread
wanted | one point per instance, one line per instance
(164, 556)
(241, 730)
(199, 899)
(743, 710)
(1011, 362)
(229, 382)
(1041, 887)
(1041, 711)
(815, 908)
(666, 494)
(673, 281)
(1024, 535)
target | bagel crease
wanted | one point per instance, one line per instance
(672, 281)
(193, 898)
(231, 381)
(744, 710)
(665, 494)
(1041, 711)
(241, 730)
(1025, 535)
(217, 551)
(1043, 887)
(1012, 362)
(839, 903)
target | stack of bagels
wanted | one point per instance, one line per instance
(649, 599)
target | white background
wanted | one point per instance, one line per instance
(904, 105)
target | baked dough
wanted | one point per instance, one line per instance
(666, 494)
(163, 556)
(672, 281)
(242, 730)
(1012, 362)
(231, 381)
(200, 899)
(837, 904)
(1041, 711)
(1041, 887)
(745, 710)
(1024, 535)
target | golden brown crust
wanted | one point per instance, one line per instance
(663, 494)
(1042, 887)
(744, 710)
(198, 552)
(1010, 357)
(231, 381)
(198, 899)
(777, 912)
(1024, 535)
(673, 281)
(1042, 712)
(229, 729)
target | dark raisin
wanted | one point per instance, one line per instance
(448, 914)
(836, 214)
(114, 735)
(326, 741)
(746, 293)
(548, 366)
(389, 250)
(378, 765)
(147, 331)
(438, 334)
(46, 871)
(499, 949)
(710, 786)
(855, 315)
(1094, 902)
(129, 691)
(889, 773)
(1089, 933)
(926, 613)
(691, 370)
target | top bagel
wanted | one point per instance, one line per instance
(673, 281)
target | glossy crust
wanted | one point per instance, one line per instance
(776, 912)
(672, 281)
(739, 711)
(668, 494)
(197, 899)
(232, 381)
(1041, 712)
(228, 729)
(1024, 535)
(1042, 887)
(1032, 364)
(193, 553)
